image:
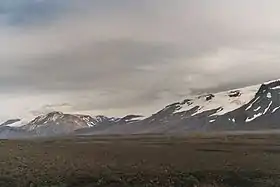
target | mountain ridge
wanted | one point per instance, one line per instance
(246, 108)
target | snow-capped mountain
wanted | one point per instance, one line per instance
(56, 123)
(224, 101)
(251, 108)
(254, 107)
(261, 112)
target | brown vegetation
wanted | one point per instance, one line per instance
(206, 161)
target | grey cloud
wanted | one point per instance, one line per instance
(21, 13)
(135, 53)
(96, 65)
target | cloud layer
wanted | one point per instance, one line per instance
(131, 55)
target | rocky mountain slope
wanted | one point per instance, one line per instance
(250, 108)
(58, 123)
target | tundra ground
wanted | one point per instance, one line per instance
(146, 160)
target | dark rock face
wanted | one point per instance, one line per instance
(187, 101)
(235, 93)
(10, 122)
(209, 97)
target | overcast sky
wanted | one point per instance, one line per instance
(123, 56)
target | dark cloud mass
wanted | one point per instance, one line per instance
(27, 12)
(127, 55)
(95, 64)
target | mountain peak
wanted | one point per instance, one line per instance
(268, 86)
(55, 123)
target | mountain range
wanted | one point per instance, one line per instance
(250, 108)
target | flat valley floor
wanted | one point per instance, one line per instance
(143, 160)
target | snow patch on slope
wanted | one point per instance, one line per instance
(271, 81)
(250, 106)
(276, 88)
(269, 105)
(220, 101)
(275, 109)
(257, 109)
(268, 95)
(254, 117)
